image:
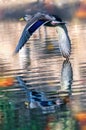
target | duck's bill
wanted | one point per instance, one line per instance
(21, 19)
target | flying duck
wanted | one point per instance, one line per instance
(39, 19)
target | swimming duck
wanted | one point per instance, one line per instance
(40, 19)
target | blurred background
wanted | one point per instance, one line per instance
(40, 63)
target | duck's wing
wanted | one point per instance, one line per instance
(38, 20)
(64, 40)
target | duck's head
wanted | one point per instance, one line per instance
(25, 18)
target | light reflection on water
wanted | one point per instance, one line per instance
(41, 68)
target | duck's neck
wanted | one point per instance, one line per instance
(62, 35)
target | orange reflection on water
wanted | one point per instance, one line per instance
(6, 82)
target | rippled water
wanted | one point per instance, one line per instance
(43, 68)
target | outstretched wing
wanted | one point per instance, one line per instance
(37, 21)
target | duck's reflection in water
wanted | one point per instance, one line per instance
(66, 76)
(45, 119)
(43, 99)
(62, 117)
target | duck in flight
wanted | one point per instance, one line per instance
(39, 19)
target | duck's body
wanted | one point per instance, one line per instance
(40, 19)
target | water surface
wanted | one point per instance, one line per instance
(41, 67)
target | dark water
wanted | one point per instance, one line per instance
(44, 69)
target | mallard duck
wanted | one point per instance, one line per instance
(40, 19)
